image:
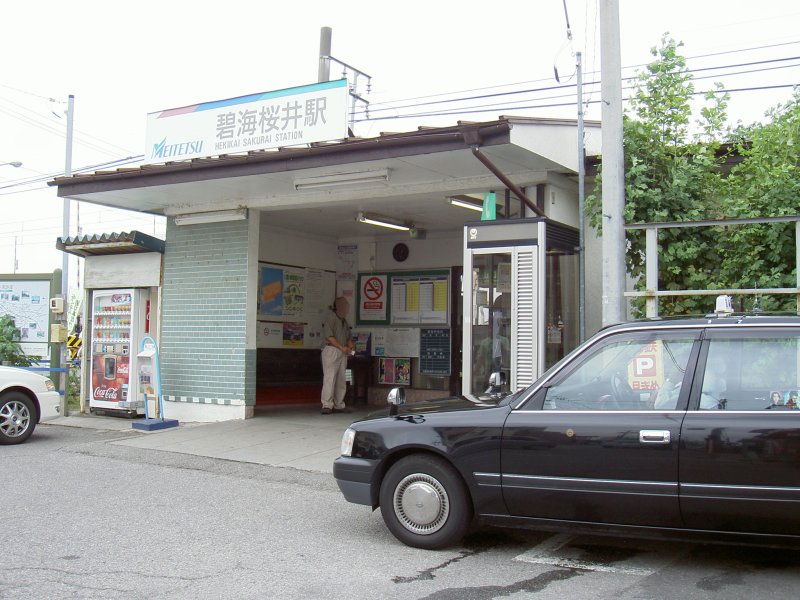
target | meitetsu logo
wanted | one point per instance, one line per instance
(163, 150)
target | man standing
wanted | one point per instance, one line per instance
(337, 345)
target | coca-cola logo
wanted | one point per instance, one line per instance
(105, 393)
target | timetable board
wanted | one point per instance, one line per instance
(434, 351)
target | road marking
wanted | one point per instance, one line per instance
(554, 551)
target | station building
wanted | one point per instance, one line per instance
(260, 242)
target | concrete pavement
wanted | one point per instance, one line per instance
(295, 436)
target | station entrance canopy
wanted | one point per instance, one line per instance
(320, 188)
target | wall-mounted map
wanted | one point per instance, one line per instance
(28, 302)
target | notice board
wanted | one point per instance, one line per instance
(408, 298)
(434, 351)
(292, 304)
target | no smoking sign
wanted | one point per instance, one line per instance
(373, 288)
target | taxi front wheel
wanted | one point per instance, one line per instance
(17, 418)
(425, 503)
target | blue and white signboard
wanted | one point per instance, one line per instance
(300, 115)
(28, 303)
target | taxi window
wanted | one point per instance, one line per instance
(752, 373)
(641, 373)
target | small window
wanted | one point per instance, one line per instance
(633, 373)
(753, 373)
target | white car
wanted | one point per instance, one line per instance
(26, 398)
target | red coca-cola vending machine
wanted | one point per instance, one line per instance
(119, 320)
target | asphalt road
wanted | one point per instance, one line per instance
(85, 518)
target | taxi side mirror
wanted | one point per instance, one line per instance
(396, 397)
(497, 381)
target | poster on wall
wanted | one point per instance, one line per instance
(282, 291)
(394, 371)
(419, 299)
(346, 262)
(397, 341)
(294, 334)
(271, 291)
(293, 302)
(373, 298)
(404, 298)
(293, 291)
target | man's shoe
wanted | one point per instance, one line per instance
(343, 410)
(326, 411)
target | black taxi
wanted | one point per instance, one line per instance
(661, 427)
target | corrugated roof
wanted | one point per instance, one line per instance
(110, 243)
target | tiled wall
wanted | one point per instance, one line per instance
(203, 337)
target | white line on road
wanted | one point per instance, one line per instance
(547, 553)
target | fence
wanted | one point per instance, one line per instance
(652, 293)
(70, 364)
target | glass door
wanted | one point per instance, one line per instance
(491, 324)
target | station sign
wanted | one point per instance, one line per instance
(294, 116)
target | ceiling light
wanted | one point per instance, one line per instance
(342, 179)
(214, 216)
(463, 203)
(381, 221)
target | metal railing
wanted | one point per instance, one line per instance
(652, 293)
(70, 365)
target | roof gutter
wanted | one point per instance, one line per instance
(472, 137)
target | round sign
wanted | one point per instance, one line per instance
(373, 288)
(400, 252)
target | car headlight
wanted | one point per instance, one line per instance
(347, 441)
(51, 387)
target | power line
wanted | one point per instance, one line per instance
(373, 110)
(35, 180)
(375, 105)
(497, 108)
(80, 133)
(508, 105)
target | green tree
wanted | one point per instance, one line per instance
(765, 183)
(11, 352)
(671, 174)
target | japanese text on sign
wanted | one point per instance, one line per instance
(301, 115)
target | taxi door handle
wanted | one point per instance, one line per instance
(654, 436)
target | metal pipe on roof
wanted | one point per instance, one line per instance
(506, 181)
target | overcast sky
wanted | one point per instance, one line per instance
(123, 60)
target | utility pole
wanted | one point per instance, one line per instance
(581, 201)
(65, 258)
(613, 165)
(324, 73)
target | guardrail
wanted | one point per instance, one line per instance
(652, 293)
(70, 364)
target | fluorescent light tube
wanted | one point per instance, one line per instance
(214, 216)
(383, 222)
(342, 179)
(465, 204)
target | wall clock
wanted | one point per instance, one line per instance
(400, 252)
